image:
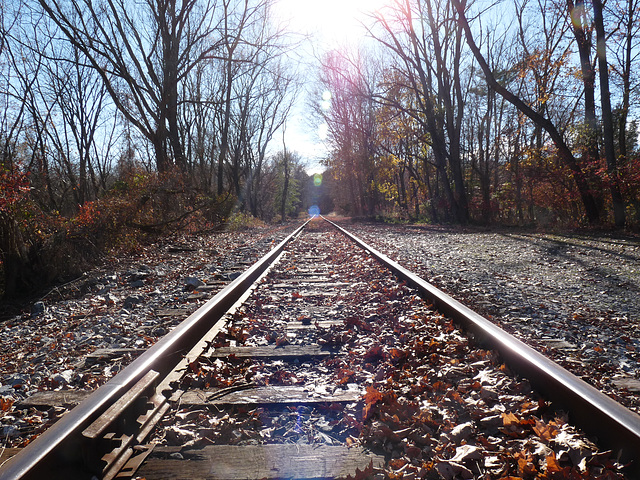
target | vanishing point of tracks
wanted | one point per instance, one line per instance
(318, 363)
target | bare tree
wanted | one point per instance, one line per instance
(582, 31)
(81, 98)
(607, 116)
(233, 105)
(625, 44)
(143, 51)
(486, 122)
(12, 104)
(427, 44)
(200, 122)
(233, 37)
(13, 248)
(564, 151)
(273, 101)
(351, 121)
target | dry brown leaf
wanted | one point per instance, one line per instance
(364, 474)
(546, 432)
(527, 468)
(397, 463)
(510, 420)
(372, 397)
(552, 464)
(6, 403)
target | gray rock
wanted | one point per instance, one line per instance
(191, 283)
(139, 274)
(18, 379)
(6, 391)
(9, 431)
(37, 308)
(132, 301)
(63, 378)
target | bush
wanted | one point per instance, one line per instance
(142, 205)
(242, 221)
(39, 248)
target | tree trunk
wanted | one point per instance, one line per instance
(285, 186)
(162, 161)
(18, 271)
(607, 117)
(583, 40)
(626, 80)
(518, 180)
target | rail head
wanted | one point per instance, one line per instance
(61, 442)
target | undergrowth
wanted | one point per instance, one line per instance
(40, 248)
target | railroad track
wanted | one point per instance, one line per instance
(317, 363)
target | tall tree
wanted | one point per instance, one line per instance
(142, 51)
(582, 31)
(350, 80)
(564, 151)
(626, 43)
(607, 116)
(233, 36)
(273, 101)
(79, 96)
(427, 45)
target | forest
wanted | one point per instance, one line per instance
(519, 112)
(122, 120)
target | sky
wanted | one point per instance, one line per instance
(329, 24)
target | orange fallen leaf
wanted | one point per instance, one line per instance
(6, 403)
(397, 463)
(552, 464)
(372, 397)
(509, 420)
(544, 431)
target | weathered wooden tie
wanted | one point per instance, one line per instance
(252, 462)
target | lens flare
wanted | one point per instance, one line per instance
(314, 211)
(317, 179)
(325, 104)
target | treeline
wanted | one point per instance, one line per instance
(520, 112)
(120, 119)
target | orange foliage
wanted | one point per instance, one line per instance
(14, 186)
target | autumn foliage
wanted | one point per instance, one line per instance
(498, 132)
(41, 246)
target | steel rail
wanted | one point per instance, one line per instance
(61, 446)
(614, 426)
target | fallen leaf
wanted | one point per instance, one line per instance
(6, 403)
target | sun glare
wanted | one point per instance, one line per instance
(330, 21)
